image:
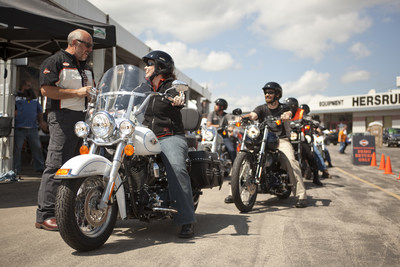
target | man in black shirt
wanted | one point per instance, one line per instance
(66, 80)
(273, 92)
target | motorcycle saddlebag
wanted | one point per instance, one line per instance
(205, 169)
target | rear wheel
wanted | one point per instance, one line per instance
(82, 224)
(244, 188)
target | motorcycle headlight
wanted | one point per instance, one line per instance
(103, 125)
(209, 135)
(81, 129)
(293, 136)
(126, 128)
(253, 132)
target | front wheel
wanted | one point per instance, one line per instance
(82, 224)
(244, 188)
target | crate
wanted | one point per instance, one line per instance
(205, 170)
(5, 126)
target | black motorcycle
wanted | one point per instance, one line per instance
(257, 166)
(298, 138)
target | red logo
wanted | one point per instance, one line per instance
(364, 142)
(65, 64)
(46, 71)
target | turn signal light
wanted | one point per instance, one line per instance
(63, 171)
(129, 150)
(84, 150)
(238, 124)
(278, 122)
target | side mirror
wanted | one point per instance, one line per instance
(180, 86)
(237, 111)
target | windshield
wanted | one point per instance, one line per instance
(122, 92)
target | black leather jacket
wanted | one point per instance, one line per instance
(161, 117)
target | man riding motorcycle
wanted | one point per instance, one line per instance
(298, 114)
(272, 93)
(163, 117)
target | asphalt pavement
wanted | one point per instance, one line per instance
(353, 220)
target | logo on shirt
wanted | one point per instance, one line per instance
(46, 71)
(65, 64)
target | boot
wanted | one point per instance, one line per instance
(316, 180)
(325, 174)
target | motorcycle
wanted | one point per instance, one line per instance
(120, 170)
(298, 136)
(257, 165)
(213, 141)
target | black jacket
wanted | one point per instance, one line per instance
(161, 117)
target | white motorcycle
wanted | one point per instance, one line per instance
(120, 169)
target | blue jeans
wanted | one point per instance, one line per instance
(231, 149)
(319, 159)
(174, 154)
(32, 137)
(343, 146)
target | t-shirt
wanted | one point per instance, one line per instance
(27, 111)
(263, 112)
(214, 118)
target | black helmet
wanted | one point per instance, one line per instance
(164, 62)
(222, 103)
(274, 86)
(293, 103)
(306, 108)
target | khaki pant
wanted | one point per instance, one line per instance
(291, 165)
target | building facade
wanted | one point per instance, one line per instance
(357, 111)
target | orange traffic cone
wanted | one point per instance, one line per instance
(398, 177)
(388, 168)
(382, 164)
(373, 160)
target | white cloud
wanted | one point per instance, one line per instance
(251, 52)
(186, 58)
(360, 50)
(355, 76)
(310, 83)
(308, 28)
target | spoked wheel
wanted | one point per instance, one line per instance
(82, 224)
(244, 189)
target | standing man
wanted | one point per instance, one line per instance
(28, 115)
(272, 93)
(342, 139)
(66, 80)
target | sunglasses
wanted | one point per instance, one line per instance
(88, 45)
(150, 63)
(269, 92)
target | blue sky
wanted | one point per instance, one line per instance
(312, 48)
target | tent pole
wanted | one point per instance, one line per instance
(114, 55)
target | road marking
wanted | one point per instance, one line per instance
(368, 183)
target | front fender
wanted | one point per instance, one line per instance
(92, 165)
(84, 166)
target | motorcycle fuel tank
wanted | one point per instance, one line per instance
(146, 142)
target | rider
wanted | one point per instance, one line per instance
(164, 118)
(318, 157)
(272, 93)
(298, 114)
(218, 119)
